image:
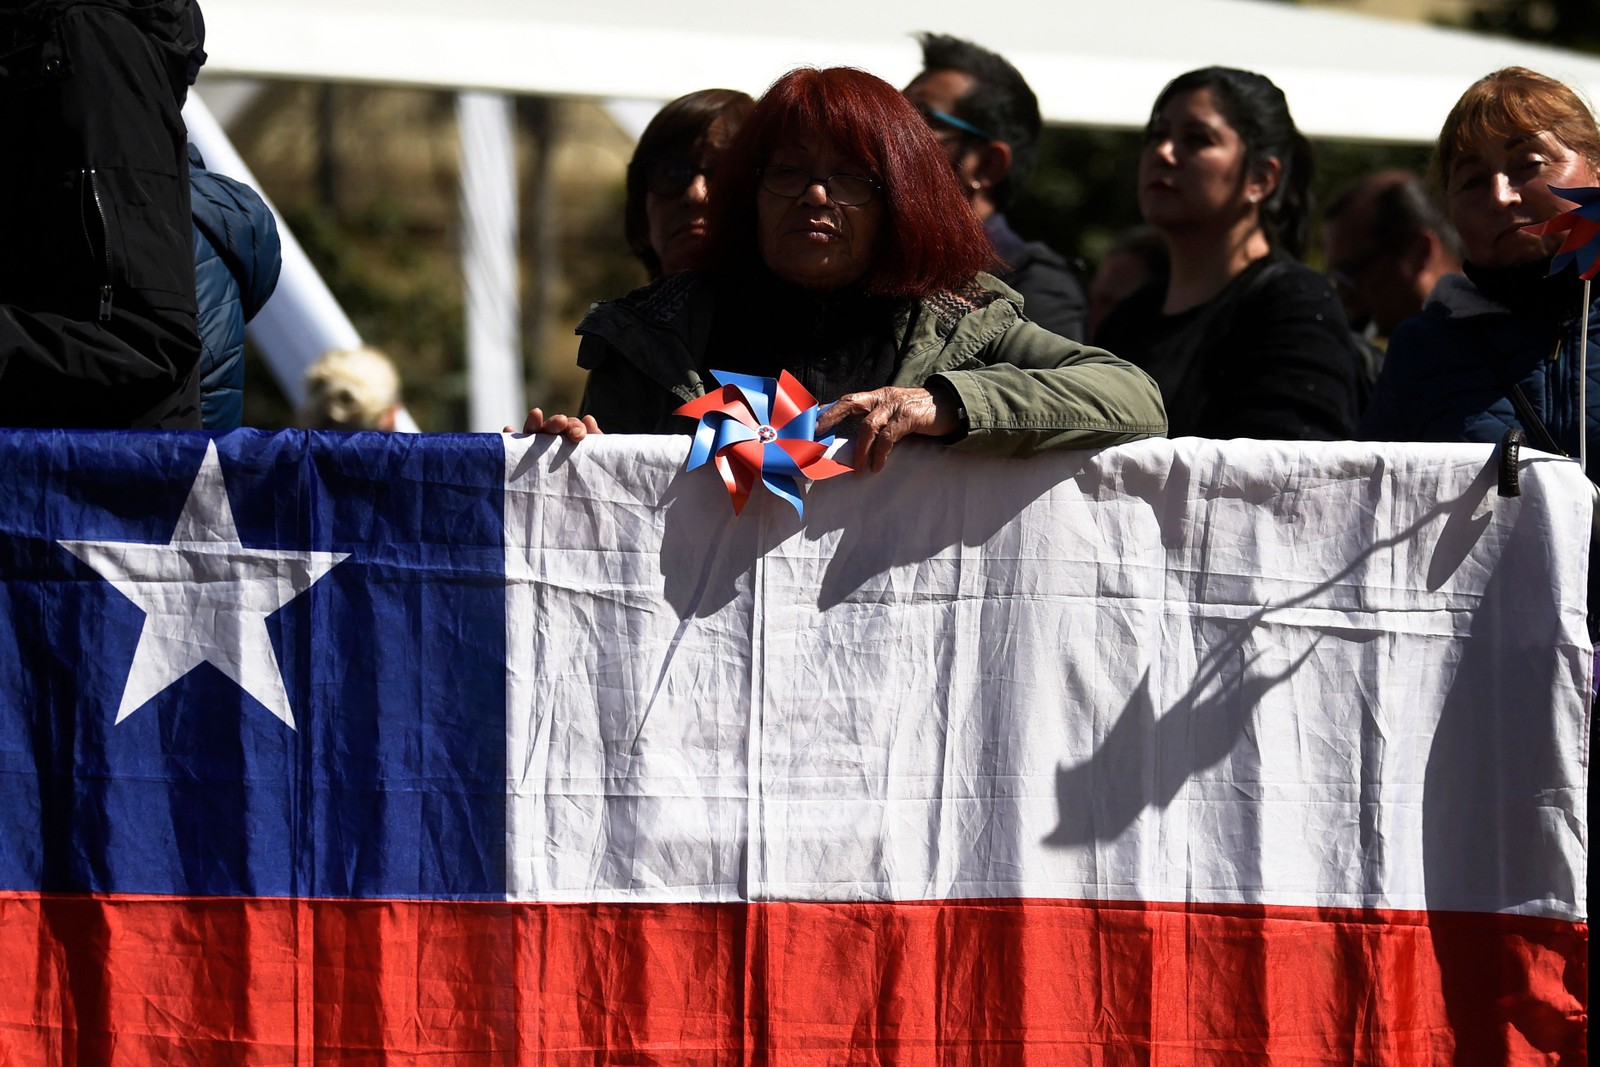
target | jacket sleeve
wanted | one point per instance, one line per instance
(221, 323)
(1026, 389)
(620, 396)
(237, 260)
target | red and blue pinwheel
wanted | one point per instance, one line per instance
(760, 428)
(1582, 227)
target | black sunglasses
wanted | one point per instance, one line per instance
(670, 177)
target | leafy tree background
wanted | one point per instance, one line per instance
(1571, 24)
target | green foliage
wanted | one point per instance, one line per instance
(398, 281)
(1083, 192)
(1571, 24)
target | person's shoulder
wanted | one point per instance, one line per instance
(1041, 274)
(659, 303)
(235, 223)
(1430, 342)
(1282, 293)
(1131, 319)
(219, 201)
(984, 293)
(1454, 312)
(1423, 329)
(1038, 256)
(1456, 296)
(1279, 277)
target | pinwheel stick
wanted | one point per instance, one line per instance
(1583, 383)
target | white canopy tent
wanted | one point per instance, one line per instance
(1091, 63)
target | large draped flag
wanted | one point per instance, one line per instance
(377, 749)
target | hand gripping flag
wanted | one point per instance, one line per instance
(1582, 227)
(760, 428)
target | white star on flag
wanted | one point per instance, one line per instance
(206, 597)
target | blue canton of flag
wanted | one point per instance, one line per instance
(252, 665)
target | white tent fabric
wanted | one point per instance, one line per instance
(1090, 62)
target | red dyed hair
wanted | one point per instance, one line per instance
(930, 240)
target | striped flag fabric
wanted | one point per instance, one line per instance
(371, 749)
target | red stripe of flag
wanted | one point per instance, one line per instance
(95, 980)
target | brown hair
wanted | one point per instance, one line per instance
(677, 132)
(1510, 102)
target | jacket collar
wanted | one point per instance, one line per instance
(1458, 298)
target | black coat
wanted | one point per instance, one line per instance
(1270, 357)
(97, 302)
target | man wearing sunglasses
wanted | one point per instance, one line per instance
(987, 119)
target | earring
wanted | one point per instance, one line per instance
(1254, 198)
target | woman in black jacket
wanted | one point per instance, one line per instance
(1243, 339)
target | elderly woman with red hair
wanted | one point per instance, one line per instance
(841, 251)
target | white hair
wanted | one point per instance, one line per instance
(356, 389)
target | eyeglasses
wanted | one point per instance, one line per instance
(846, 190)
(940, 118)
(670, 177)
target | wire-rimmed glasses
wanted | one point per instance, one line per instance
(846, 190)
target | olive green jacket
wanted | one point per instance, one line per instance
(1023, 389)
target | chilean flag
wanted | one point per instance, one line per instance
(378, 749)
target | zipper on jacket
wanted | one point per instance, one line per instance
(102, 251)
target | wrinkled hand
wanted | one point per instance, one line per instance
(887, 415)
(571, 427)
